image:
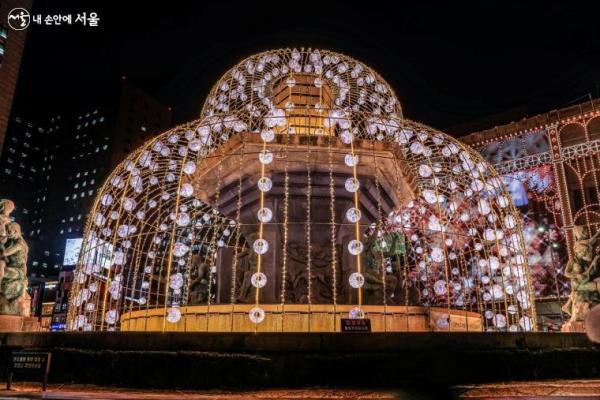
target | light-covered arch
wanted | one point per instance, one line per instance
(224, 197)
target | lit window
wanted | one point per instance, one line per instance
(62, 231)
(90, 192)
(76, 185)
(105, 147)
(66, 198)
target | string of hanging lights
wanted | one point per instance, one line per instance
(300, 197)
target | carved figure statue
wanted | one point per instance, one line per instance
(247, 266)
(14, 299)
(379, 266)
(584, 271)
(320, 273)
(198, 290)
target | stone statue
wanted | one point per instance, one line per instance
(247, 266)
(584, 271)
(378, 251)
(14, 299)
(198, 290)
(320, 273)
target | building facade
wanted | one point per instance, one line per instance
(52, 168)
(551, 166)
(99, 137)
(12, 43)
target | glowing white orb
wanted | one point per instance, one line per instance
(260, 246)
(173, 315)
(265, 184)
(256, 315)
(356, 280)
(352, 185)
(264, 215)
(258, 280)
(353, 214)
(355, 247)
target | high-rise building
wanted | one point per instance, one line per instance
(12, 43)
(51, 169)
(27, 162)
(91, 141)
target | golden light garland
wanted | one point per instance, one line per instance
(189, 198)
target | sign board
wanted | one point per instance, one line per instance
(98, 252)
(72, 250)
(29, 363)
(356, 325)
(57, 326)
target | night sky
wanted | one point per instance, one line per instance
(450, 63)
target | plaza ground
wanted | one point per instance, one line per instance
(532, 389)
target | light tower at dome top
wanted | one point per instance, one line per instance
(307, 83)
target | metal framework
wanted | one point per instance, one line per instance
(301, 188)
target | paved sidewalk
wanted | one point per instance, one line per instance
(81, 392)
(579, 389)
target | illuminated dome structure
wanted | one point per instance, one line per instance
(302, 196)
